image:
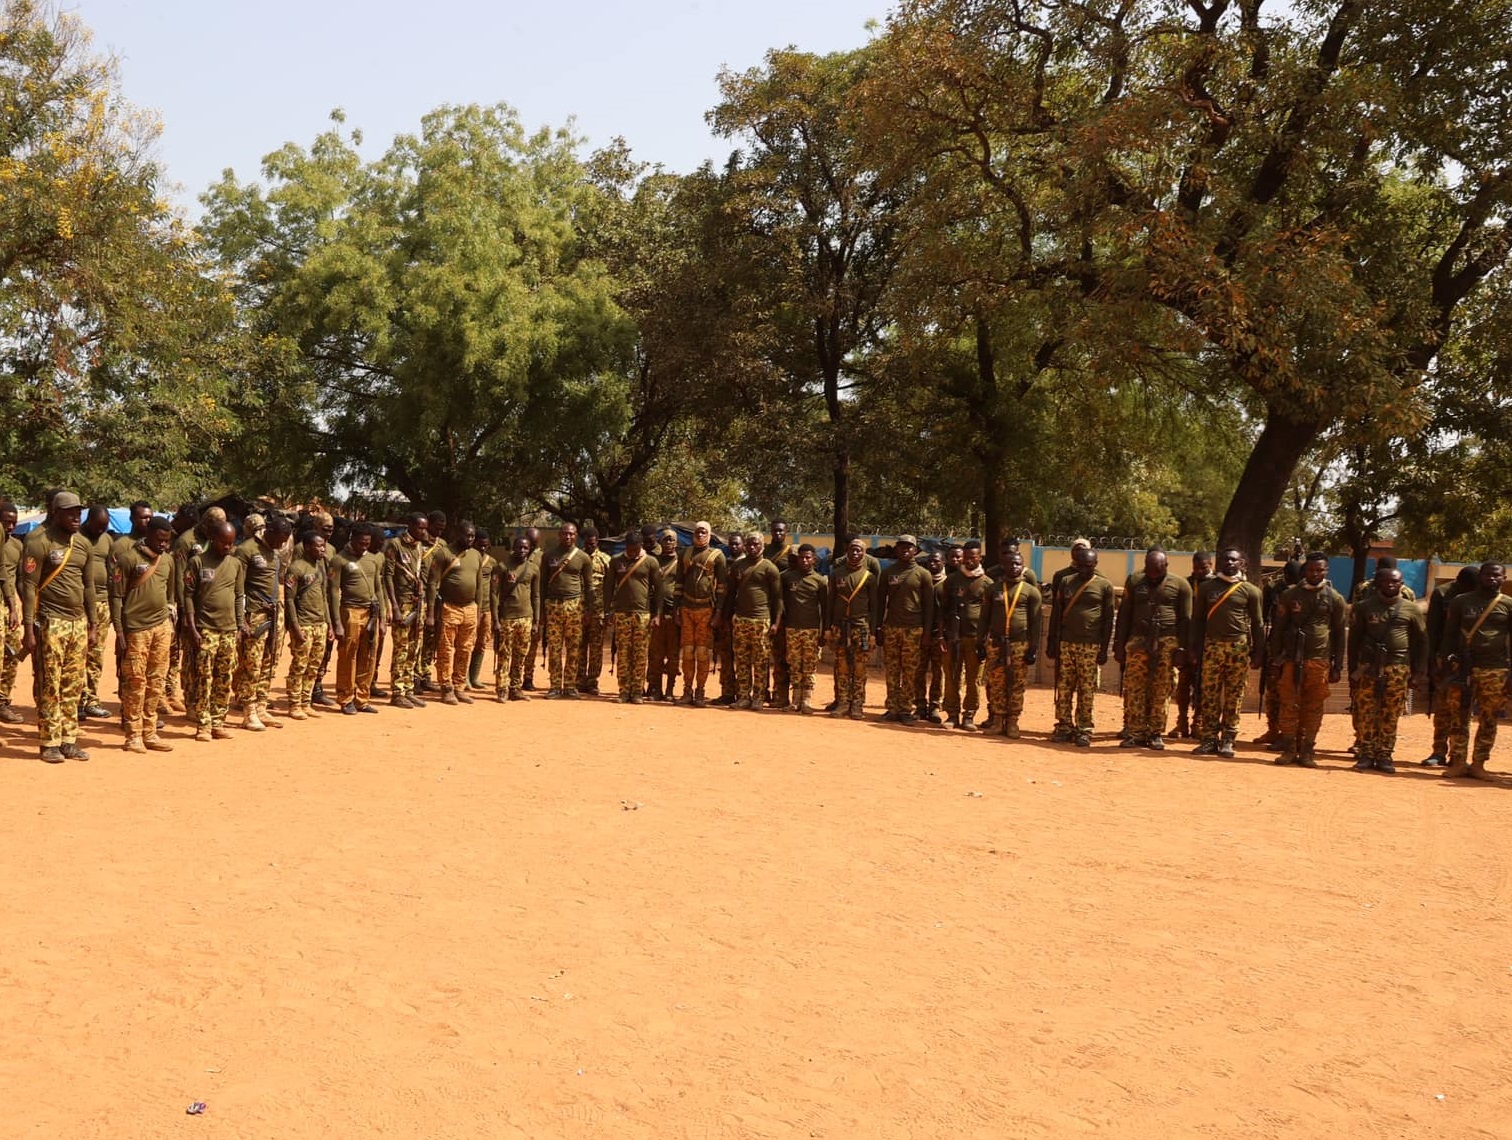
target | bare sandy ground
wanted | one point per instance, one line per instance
(589, 920)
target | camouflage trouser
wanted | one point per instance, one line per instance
(1273, 715)
(802, 662)
(1378, 718)
(1075, 681)
(60, 679)
(1000, 701)
(1147, 690)
(425, 659)
(94, 661)
(564, 638)
(963, 678)
(215, 664)
(511, 654)
(697, 645)
(1225, 672)
(1443, 721)
(753, 653)
(663, 655)
(1486, 686)
(591, 651)
(852, 648)
(354, 657)
(724, 650)
(782, 678)
(190, 678)
(929, 680)
(304, 663)
(10, 651)
(406, 637)
(257, 658)
(455, 634)
(1302, 713)
(1189, 695)
(902, 650)
(144, 671)
(173, 684)
(632, 637)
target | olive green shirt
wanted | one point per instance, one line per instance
(1387, 633)
(1316, 618)
(964, 596)
(757, 590)
(1234, 616)
(516, 590)
(855, 595)
(404, 571)
(908, 597)
(99, 566)
(260, 575)
(455, 576)
(66, 563)
(1083, 613)
(305, 599)
(632, 585)
(668, 566)
(10, 571)
(1492, 643)
(565, 574)
(214, 591)
(141, 588)
(356, 581)
(485, 583)
(804, 598)
(598, 566)
(1158, 609)
(701, 575)
(1027, 612)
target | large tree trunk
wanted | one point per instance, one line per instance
(842, 496)
(1267, 474)
(993, 452)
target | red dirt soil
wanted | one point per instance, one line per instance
(593, 920)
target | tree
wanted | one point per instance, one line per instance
(818, 248)
(416, 311)
(116, 338)
(1242, 169)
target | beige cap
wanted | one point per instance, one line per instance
(254, 523)
(1081, 544)
(66, 501)
(908, 539)
(215, 515)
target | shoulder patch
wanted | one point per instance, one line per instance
(31, 565)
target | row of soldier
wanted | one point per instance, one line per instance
(187, 590)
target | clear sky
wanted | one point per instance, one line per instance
(235, 79)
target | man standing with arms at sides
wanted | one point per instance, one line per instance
(595, 618)
(94, 531)
(215, 597)
(565, 574)
(661, 670)
(1477, 663)
(855, 601)
(1153, 625)
(57, 616)
(186, 544)
(307, 609)
(1227, 633)
(139, 511)
(779, 552)
(1188, 676)
(700, 579)
(1388, 646)
(805, 598)
(516, 599)
(753, 609)
(1081, 626)
(456, 570)
(632, 596)
(358, 608)
(1363, 590)
(483, 544)
(907, 615)
(257, 655)
(404, 561)
(437, 549)
(1438, 612)
(966, 588)
(930, 683)
(10, 595)
(1007, 639)
(536, 553)
(1307, 636)
(1291, 574)
(141, 609)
